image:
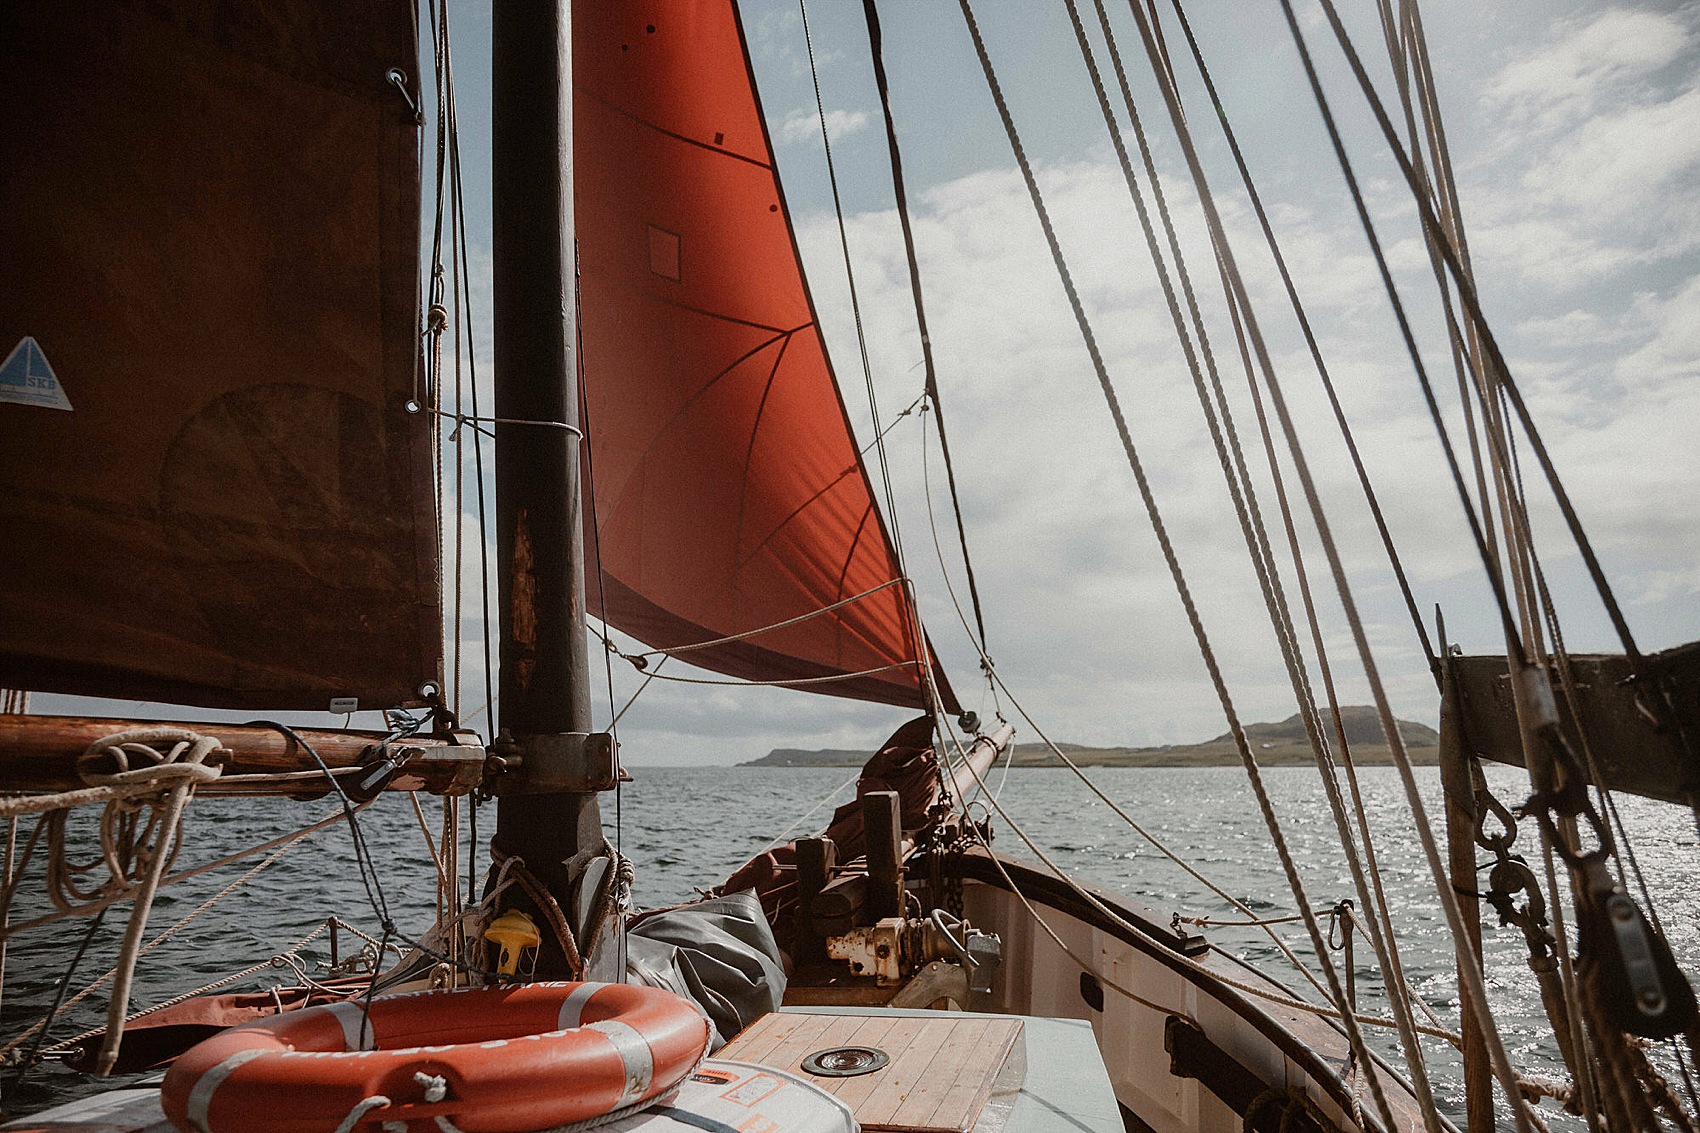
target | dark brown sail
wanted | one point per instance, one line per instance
(211, 228)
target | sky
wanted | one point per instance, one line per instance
(1575, 132)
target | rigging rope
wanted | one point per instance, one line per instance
(785, 835)
(65, 1046)
(1302, 319)
(917, 639)
(448, 146)
(944, 573)
(849, 269)
(170, 932)
(1465, 346)
(1469, 972)
(1534, 598)
(53, 1011)
(1500, 370)
(799, 682)
(871, 14)
(1288, 1001)
(1337, 993)
(675, 650)
(370, 878)
(1156, 842)
(1242, 491)
(609, 649)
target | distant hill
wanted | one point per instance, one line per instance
(1275, 745)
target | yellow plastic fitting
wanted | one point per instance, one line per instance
(514, 932)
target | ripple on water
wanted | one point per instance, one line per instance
(676, 830)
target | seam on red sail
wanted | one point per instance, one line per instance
(653, 623)
(749, 455)
(662, 300)
(783, 338)
(719, 151)
(843, 574)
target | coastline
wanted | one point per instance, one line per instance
(1285, 743)
(1192, 755)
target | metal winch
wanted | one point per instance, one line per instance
(893, 949)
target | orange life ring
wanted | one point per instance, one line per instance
(488, 1060)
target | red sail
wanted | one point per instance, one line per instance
(729, 496)
(211, 234)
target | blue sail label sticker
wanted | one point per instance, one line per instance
(27, 378)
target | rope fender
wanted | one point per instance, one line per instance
(483, 1060)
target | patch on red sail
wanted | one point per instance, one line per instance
(26, 378)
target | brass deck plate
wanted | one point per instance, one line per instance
(941, 1070)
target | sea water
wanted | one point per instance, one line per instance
(686, 828)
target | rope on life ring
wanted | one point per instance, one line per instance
(503, 1059)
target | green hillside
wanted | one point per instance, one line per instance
(1275, 745)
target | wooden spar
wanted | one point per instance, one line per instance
(544, 683)
(1635, 751)
(40, 753)
(882, 834)
(978, 760)
(1461, 819)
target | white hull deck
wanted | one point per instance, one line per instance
(1054, 1083)
(1213, 1052)
(1198, 1057)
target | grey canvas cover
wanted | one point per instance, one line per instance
(719, 952)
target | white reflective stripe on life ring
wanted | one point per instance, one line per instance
(356, 1025)
(572, 1008)
(200, 1098)
(634, 1052)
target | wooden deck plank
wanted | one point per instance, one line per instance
(873, 1093)
(940, 1074)
(952, 1056)
(790, 1050)
(851, 1090)
(960, 1078)
(789, 1055)
(787, 1050)
(757, 1041)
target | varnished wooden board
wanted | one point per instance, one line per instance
(940, 1075)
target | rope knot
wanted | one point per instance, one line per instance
(141, 756)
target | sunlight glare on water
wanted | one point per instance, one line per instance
(690, 827)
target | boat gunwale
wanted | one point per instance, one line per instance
(989, 866)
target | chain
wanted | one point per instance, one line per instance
(1509, 874)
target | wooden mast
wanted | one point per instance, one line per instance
(548, 812)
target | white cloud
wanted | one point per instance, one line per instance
(1575, 327)
(1615, 159)
(1595, 136)
(1669, 360)
(1586, 60)
(1577, 174)
(802, 125)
